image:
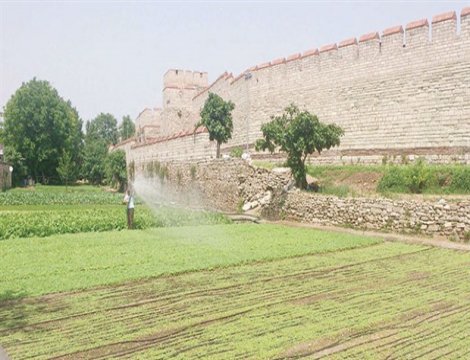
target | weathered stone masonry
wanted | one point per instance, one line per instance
(401, 93)
(229, 184)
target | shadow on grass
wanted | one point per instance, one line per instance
(13, 310)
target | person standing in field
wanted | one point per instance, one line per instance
(130, 204)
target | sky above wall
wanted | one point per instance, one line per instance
(111, 56)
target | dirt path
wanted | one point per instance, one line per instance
(437, 241)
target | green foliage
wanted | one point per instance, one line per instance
(236, 152)
(45, 222)
(103, 127)
(59, 197)
(216, 116)
(127, 128)
(100, 133)
(39, 127)
(299, 134)
(115, 169)
(66, 168)
(420, 177)
(94, 157)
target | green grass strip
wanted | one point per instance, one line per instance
(38, 266)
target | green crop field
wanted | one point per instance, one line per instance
(231, 291)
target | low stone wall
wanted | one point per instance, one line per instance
(233, 185)
(441, 217)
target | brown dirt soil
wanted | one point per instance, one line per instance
(361, 182)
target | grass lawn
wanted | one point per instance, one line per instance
(76, 261)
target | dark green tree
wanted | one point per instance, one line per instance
(101, 132)
(94, 156)
(66, 168)
(299, 134)
(216, 116)
(103, 127)
(127, 128)
(39, 126)
(115, 169)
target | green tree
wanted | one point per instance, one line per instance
(94, 157)
(66, 168)
(127, 128)
(115, 169)
(299, 134)
(100, 133)
(216, 116)
(103, 127)
(39, 126)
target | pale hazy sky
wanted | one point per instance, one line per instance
(111, 56)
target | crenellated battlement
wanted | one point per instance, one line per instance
(177, 78)
(403, 90)
(417, 34)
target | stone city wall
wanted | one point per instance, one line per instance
(401, 92)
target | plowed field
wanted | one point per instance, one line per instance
(383, 301)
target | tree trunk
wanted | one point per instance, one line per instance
(218, 150)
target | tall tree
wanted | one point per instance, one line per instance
(216, 116)
(100, 133)
(127, 128)
(66, 168)
(115, 169)
(39, 126)
(103, 127)
(299, 134)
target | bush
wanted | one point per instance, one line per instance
(236, 152)
(460, 181)
(420, 177)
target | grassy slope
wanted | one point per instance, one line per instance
(388, 299)
(438, 179)
(58, 263)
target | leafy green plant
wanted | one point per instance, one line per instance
(419, 177)
(236, 152)
(28, 197)
(115, 169)
(44, 222)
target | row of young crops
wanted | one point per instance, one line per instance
(383, 301)
(45, 213)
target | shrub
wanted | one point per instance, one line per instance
(421, 177)
(236, 152)
(418, 177)
(460, 179)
